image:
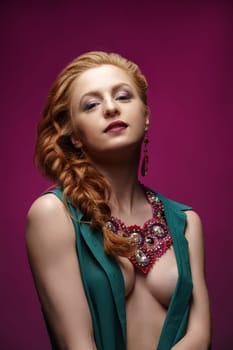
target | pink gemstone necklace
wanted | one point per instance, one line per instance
(152, 239)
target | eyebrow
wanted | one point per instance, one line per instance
(113, 89)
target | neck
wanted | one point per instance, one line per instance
(122, 174)
(125, 187)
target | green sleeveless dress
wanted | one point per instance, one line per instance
(104, 285)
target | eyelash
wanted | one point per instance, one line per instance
(89, 106)
(92, 105)
(124, 97)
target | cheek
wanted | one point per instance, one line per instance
(79, 127)
(143, 110)
(85, 132)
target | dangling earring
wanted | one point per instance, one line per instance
(145, 161)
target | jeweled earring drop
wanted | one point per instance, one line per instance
(145, 161)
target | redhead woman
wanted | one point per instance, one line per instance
(116, 264)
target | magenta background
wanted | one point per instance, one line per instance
(186, 51)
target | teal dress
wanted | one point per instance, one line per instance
(104, 285)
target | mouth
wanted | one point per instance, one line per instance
(116, 126)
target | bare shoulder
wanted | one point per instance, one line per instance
(48, 219)
(45, 205)
(195, 236)
(194, 222)
(194, 228)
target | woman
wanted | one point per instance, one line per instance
(109, 256)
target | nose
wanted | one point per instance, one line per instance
(111, 109)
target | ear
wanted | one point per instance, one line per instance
(77, 143)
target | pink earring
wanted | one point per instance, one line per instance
(145, 161)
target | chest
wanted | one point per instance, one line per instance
(160, 281)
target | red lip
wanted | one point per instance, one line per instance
(115, 125)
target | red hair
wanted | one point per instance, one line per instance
(63, 164)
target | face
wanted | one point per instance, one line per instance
(107, 112)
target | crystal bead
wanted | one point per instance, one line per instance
(141, 257)
(109, 225)
(150, 240)
(135, 237)
(158, 230)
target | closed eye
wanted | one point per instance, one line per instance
(124, 97)
(90, 106)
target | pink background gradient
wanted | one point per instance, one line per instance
(185, 49)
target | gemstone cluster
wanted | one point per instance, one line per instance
(152, 240)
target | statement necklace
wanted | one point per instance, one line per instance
(152, 239)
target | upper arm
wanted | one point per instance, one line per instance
(199, 319)
(50, 242)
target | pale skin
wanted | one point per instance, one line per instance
(51, 240)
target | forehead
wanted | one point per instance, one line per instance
(101, 78)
